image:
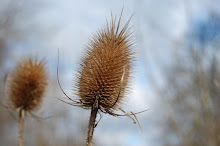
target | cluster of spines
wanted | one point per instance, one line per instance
(27, 84)
(106, 67)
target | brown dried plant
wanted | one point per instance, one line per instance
(27, 84)
(104, 73)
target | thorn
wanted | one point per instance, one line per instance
(137, 121)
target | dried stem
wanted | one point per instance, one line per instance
(21, 123)
(91, 126)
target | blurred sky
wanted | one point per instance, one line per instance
(69, 24)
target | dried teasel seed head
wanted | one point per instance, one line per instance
(27, 84)
(106, 67)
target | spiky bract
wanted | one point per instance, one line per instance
(106, 67)
(27, 84)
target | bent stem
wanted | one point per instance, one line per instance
(21, 124)
(91, 126)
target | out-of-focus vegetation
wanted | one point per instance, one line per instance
(189, 95)
(50, 127)
(192, 88)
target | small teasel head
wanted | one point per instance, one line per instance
(106, 67)
(27, 84)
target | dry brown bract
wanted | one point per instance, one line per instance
(27, 85)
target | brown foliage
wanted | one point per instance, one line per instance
(27, 84)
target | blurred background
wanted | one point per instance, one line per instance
(177, 72)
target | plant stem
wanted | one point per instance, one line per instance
(21, 124)
(91, 126)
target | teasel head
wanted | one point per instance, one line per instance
(106, 67)
(27, 85)
(105, 73)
